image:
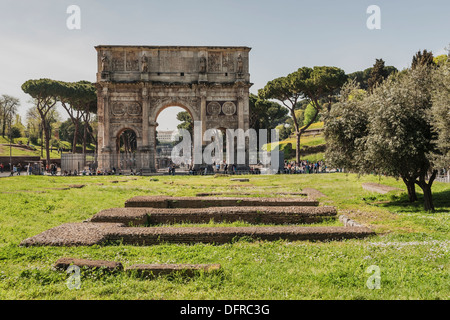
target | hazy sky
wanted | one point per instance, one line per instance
(283, 34)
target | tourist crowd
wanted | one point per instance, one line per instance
(292, 167)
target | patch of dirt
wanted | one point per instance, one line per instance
(313, 193)
(380, 188)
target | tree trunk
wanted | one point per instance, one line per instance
(47, 144)
(85, 127)
(426, 188)
(411, 187)
(75, 136)
(428, 198)
(297, 151)
(84, 137)
(93, 139)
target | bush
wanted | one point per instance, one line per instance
(288, 150)
(15, 132)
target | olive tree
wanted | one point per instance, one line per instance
(440, 113)
(388, 132)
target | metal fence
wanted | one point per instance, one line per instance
(142, 162)
(443, 178)
(91, 162)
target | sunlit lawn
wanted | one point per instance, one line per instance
(411, 247)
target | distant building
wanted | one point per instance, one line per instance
(166, 136)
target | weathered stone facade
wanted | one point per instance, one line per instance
(135, 83)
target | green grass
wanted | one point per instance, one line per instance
(19, 151)
(411, 247)
(314, 157)
(305, 142)
(316, 125)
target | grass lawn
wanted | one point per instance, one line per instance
(19, 151)
(305, 141)
(316, 125)
(411, 247)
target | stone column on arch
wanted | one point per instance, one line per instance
(145, 118)
(144, 149)
(104, 157)
(203, 113)
(241, 95)
(152, 144)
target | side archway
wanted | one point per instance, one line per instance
(126, 148)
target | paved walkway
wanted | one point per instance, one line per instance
(7, 174)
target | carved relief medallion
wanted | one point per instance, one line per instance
(229, 108)
(134, 109)
(118, 109)
(213, 108)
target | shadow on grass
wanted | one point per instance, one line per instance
(400, 202)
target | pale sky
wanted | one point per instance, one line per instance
(284, 35)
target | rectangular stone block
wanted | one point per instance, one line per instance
(64, 263)
(220, 235)
(85, 234)
(127, 216)
(72, 234)
(266, 215)
(195, 202)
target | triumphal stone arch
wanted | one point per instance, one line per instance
(135, 83)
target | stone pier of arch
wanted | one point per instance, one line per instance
(135, 83)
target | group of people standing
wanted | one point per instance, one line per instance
(14, 170)
(304, 167)
(30, 169)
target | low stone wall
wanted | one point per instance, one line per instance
(265, 215)
(208, 194)
(143, 270)
(64, 263)
(195, 202)
(113, 225)
(73, 234)
(86, 234)
(220, 235)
